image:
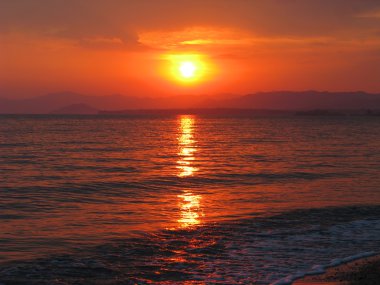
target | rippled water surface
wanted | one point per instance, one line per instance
(184, 199)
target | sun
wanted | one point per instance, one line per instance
(187, 69)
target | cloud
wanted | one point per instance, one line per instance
(81, 19)
(370, 14)
(189, 38)
(209, 25)
(228, 40)
(78, 21)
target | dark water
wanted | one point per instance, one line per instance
(184, 199)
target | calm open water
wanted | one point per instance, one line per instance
(185, 199)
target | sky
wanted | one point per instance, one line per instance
(237, 46)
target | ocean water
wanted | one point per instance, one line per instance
(185, 199)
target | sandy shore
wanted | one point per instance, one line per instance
(364, 271)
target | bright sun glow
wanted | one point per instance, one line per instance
(187, 69)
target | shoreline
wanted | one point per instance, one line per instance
(363, 271)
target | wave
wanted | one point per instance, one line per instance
(260, 250)
(320, 269)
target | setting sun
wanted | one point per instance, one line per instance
(187, 69)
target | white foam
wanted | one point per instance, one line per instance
(320, 269)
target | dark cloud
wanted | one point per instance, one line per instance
(80, 19)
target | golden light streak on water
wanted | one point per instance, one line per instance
(189, 205)
(186, 147)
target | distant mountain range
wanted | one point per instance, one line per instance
(76, 109)
(74, 103)
(69, 102)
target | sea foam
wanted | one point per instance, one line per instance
(320, 269)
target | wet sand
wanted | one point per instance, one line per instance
(364, 271)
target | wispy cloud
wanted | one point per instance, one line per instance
(370, 14)
(194, 36)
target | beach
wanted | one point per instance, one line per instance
(364, 271)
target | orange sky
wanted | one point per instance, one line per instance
(130, 47)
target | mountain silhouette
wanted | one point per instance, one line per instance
(307, 100)
(71, 102)
(76, 109)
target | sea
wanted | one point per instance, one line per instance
(184, 198)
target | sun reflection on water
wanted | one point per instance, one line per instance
(186, 145)
(190, 210)
(189, 205)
